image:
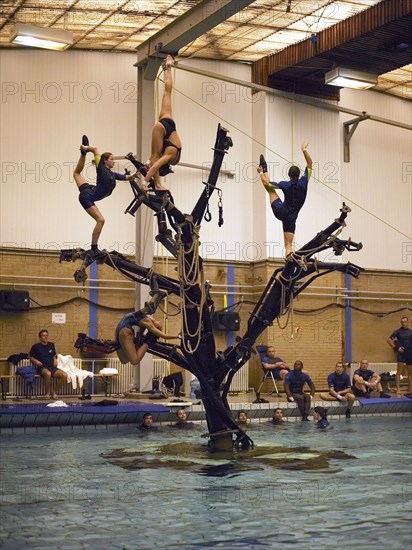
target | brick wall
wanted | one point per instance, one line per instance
(51, 286)
(314, 332)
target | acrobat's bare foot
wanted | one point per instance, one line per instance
(168, 62)
(160, 187)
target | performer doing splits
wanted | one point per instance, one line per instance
(133, 345)
(166, 144)
(105, 183)
(294, 192)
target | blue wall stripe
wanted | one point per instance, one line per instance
(94, 296)
(348, 320)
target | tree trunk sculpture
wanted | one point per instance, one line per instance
(197, 350)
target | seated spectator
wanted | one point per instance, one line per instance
(294, 382)
(340, 388)
(147, 423)
(43, 355)
(365, 381)
(182, 422)
(320, 415)
(277, 417)
(270, 361)
(242, 417)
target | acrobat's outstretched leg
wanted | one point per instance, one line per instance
(151, 306)
(276, 204)
(166, 144)
(87, 191)
(77, 174)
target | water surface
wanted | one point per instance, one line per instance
(300, 488)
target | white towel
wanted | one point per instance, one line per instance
(57, 404)
(108, 370)
(75, 376)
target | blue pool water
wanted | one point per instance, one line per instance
(122, 489)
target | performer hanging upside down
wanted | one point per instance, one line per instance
(294, 192)
(129, 331)
(105, 183)
(166, 144)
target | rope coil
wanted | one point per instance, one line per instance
(190, 275)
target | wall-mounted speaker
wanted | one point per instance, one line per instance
(225, 321)
(14, 300)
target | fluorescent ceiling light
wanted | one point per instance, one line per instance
(349, 78)
(41, 37)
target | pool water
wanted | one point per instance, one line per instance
(120, 488)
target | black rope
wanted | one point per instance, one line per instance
(75, 300)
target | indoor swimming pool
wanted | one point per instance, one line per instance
(301, 487)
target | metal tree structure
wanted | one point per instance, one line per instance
(197, 352)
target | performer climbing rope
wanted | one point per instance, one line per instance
(105, 184)
(166, 144)
(294, 192)
(129, 332)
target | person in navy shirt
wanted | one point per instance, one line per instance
(105, 184)
(43, 355)
(401, 341)
(270, 361)
(294, 382)
(366, 381)
(340, 388)
(294, 192)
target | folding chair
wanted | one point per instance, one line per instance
(266, 373)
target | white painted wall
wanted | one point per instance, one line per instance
(94, 93)
(289, 124)
(199, 106)
(50, 99)
(378, 180)
(376, 184)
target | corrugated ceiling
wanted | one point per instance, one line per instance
(261, 29)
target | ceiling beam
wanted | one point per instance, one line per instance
(349, 128)
(292, 96)
(361, 42)
(191, 25)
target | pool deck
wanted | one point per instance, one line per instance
(28, 414)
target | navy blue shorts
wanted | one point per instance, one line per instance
(359, 393)
(286, 216)
(408, 356)
(275, 372)
(86, 194)
(52, 370)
